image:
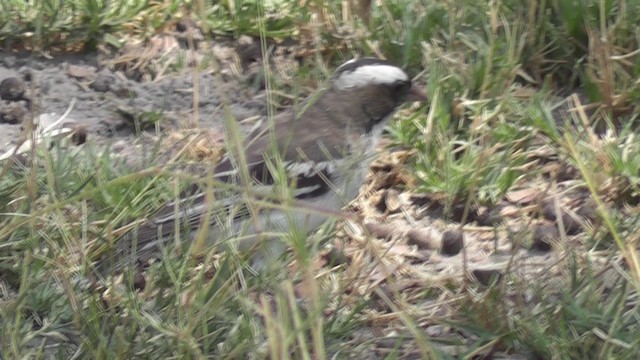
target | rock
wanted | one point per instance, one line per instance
(424, 238)
(336, 256)
(27, 74)
(489, 217)
(389, 202)
(12, 89)
(79, 132)
(139, 281)
(588, 212)
(452, 242)
(103, 83)
(549, 210)
(122, 90)
(9, 61)
(571, 226)
(12, 113)
(458, 213)
(487, 277)
(380, 231)
(543, 236)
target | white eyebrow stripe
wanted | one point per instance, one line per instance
(370, 74)
(346, 63)
(308, 169)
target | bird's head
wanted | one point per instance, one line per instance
(373, 73)
(374, 88)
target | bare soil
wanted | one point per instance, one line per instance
(113, 108)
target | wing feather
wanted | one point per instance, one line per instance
(309, 173)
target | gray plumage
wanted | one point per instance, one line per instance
(325, 144)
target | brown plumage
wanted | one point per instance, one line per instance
(325, 145)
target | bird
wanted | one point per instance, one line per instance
(323, 148)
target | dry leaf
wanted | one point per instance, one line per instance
(523, 196)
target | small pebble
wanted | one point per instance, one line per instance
(543, 236)
(571, 226)
(9, 61)
(12, 89)
(336, 257)
(489, 217)
(27, 74)
(182, 25)
(12, 113)
(487, 277)
(122, 91)
(588, 212)
(79, 134)
(424, 238)
(457, 213)
(139, 282)
(389, 202)
(103, 83)
(452, 242)
(380, 231)
(549, 210)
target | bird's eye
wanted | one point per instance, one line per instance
(402, 86)
(400, 90)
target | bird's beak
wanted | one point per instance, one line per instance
(416, 94)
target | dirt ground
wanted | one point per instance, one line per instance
(106, 102)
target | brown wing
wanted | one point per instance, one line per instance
(290, 132)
